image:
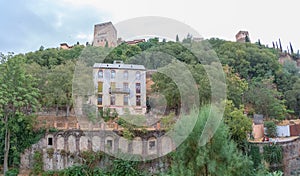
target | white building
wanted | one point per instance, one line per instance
(121, 87)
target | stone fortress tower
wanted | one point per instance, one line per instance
(105, 34)
(242, 36)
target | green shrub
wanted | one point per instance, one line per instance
(271, 128)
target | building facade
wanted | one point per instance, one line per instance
(121, 87)
(105, 34)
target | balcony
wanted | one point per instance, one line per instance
(119, 91)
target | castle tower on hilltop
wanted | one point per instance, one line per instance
(105, 34)
(242, 36)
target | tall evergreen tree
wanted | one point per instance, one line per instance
(219, 156)
(280, 45)
(177, 38)
(291, 47)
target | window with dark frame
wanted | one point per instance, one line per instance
(50, 141)
(138, 100)
(109, 143)
(99, 99)
(151, 145)
(138, 88)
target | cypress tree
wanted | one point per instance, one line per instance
(280, 45)
(177, 38)
(291, 47)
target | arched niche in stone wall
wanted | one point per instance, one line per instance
(152, 146)
(72, 143)
(137, 146)
(96, 142)
(49, 141)
(60, 143)
(123, 145)
(109, 144)
(166, 145)
(83, 143)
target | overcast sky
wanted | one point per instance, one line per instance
(28, 24)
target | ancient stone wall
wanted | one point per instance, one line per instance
(61, 149)
(291, 155)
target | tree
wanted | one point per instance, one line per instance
(248, 60)
(219, 156)
(271, 128)
(280, 45)
(293, 98)
(236, 86)
(60, 85)
(177, 38)
(247, 39)
(18, 98)
(291, 48)
(238, 123)
(266, 100)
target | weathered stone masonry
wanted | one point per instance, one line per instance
(291, 155)
(75, 141)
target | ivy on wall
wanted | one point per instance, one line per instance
(273, 155)
(255, 155)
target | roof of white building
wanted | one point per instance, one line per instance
(119, 65)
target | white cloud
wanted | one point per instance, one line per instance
(83, 36)
(265, 20)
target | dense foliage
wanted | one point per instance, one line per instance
(256, 84)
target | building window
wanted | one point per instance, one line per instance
(112, 100)
(113, 74)
(138, 75)
(126, 98)
(112, 87)
(100, 86)
(138, 88)
(50, 141)
(109, 143)
(99, 99)
(125, 87)
(151, 145)
(100, 74)
(125, 76)
(138, 100)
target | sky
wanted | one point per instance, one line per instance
(28, 24)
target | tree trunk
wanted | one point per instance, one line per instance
(68, 110)
(206, 170)
(6, 146)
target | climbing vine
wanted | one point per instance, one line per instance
(255, 155)
(38, 163)
(273, 155)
